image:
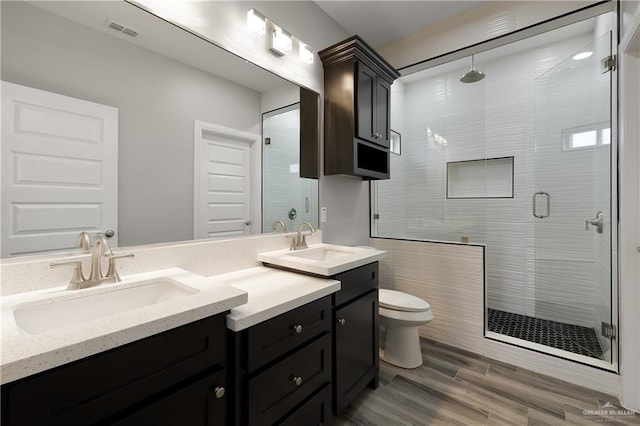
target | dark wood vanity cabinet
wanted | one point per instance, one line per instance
(283, 368)
(357, 89)
(355, 334)
(175, 377)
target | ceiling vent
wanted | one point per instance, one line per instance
(121, 28)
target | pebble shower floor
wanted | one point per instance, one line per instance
(572, 338)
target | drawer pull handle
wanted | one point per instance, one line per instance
(219, 392)
(297, 380)
(342, 321)
(297, 329)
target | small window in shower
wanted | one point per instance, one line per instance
(485, 178)
(586, 137)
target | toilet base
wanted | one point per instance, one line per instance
(402, 347)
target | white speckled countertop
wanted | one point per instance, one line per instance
(24, 354)
(253, 295)
(272, 292)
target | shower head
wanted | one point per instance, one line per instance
(472, 75)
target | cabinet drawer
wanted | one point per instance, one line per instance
(193, 405)
(270, 339)
(355, 283)
(100, 386)
(315, 411)
(273, 393)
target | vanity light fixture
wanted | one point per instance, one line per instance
(582, 55)
(280, 42)
(256, 22)
(305, 54)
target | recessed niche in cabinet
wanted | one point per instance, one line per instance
(484, 178)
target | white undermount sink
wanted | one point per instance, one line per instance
(322, 259)
(321, 253)
(73, 307)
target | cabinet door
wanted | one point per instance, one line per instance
(365, 103)
(382, 121)
(202, 403)
(102, 386)
(356, 348)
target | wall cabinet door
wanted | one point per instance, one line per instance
(365, 100)
(383, 118)
(356, 348)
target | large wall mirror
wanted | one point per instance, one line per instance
(113, 118)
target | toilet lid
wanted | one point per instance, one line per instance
(399, 301)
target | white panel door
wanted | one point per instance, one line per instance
(59, 170)
(223, 198)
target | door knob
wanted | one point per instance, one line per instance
(109, 233)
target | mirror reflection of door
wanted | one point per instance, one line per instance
(224, 203)
(286, 196)
(59, 167)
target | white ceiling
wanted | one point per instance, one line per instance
(382, 22)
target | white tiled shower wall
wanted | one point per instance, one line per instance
(489, 119)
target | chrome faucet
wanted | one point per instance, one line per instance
(281, 223)
(99, 250)
(300, 240)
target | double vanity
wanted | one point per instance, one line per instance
(287, 342)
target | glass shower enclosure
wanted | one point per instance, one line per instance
(572, 202)
(524, 164)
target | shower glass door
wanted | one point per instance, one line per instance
(571, 269)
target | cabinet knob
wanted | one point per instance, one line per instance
(342, 321)
(219, 392)
(297, 329)
(297, 380)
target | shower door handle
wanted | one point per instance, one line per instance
(535, 197)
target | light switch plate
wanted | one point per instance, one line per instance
(323, 215)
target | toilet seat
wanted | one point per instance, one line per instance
(399, 301)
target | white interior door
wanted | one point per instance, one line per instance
(224, 176)
(59, 168)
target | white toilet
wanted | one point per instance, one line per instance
(402, 314)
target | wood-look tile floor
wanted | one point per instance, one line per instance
(458, 387)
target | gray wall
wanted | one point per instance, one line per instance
(157, 98)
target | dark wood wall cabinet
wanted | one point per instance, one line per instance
(283, 368)
(355, 334)
(357, 93)
(176, 377)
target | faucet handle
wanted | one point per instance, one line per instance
(293, 239)
(112, 272)
(77, 279)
